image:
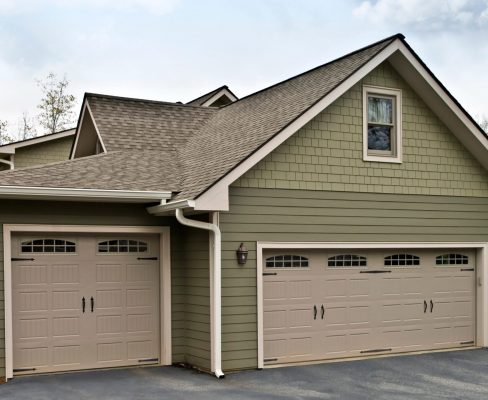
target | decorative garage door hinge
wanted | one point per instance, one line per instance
(467, 269)
(270, 359)
(468, 342)
(269, 273)
(21, 259)
(374, 351)
(147, 258)
(24, 369)
(149, 360)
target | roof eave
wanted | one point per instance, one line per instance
(83, 195)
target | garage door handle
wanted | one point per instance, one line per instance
(425, 306)
(431, 305)
(323, 311)
(83, 304)
(92, 302)
(314, 312)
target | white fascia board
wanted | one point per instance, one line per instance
(218, 95)
(208, 200)
(164, 209)
(439, 101)
(10, 148)
(69, 194)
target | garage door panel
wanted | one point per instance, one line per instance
(69, 355)
(30, 275)
(110, 273)
(66, 300)
(65, 274)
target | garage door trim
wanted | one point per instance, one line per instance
(165, 276)
(481, 277)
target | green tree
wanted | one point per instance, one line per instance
(56, 104)
(4, 136)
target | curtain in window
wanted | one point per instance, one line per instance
(380, 110)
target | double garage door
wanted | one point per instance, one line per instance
(331, 304)
(84, 302)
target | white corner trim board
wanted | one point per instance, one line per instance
(481, 277)
(165, 277)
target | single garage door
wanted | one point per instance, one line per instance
(84, 302)
(348, 303)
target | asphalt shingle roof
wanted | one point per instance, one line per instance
(183, 148)
(118, 170)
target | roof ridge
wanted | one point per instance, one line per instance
(208, 93)
(389, 38)
(124, 98)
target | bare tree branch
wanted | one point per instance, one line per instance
(4, 136)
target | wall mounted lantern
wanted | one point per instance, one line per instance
(241, 254)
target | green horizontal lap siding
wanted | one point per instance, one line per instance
(327, 153)
(39, 212)
(321, 216)
(191, 265)
(43, 153)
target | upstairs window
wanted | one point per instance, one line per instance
(382, 132)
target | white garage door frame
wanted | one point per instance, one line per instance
(481, 275)
(164, 276)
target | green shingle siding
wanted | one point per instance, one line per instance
(43, 153)
(327, 153)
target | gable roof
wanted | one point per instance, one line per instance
(202, 100)
(196, 152)
(243, 126)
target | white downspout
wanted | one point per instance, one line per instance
(216, 298)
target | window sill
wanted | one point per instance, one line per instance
(391, 160)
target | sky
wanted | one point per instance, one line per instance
(176, 50)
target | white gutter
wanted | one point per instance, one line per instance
(43, 193)
(162, 209)
(216, 284)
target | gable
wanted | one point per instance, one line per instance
(43, 153)
(326, 154)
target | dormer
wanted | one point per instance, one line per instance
(216, 98)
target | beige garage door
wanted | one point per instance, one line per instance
(84, 302)
(323, 305)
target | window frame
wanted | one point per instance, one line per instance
(100, 241)
(395, 155)
(71, 242)
(301, 259)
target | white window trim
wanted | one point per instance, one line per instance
(164, 277)
(398, 151)
(481, 336)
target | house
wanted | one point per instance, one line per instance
(340, 213)
(37, 151)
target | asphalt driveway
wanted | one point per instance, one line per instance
(452, 375)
